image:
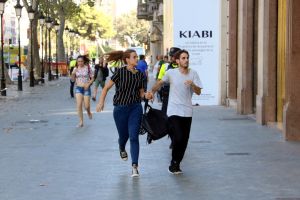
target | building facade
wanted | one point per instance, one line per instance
(264, 55)
(259, 59)
(152, 10)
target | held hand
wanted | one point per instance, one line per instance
(149, 95)
(99, 107)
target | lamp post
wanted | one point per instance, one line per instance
(67, 56)
(71, 33)
(49, 25)
(3, 84)
(31, 13)
(56, 26)
(42, 22)
(18, 9)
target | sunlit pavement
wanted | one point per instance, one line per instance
(43, 156)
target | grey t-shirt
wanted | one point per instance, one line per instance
(180, 96)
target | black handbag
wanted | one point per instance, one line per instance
(154, 123)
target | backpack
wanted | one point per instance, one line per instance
(154, 123)
(170, 66)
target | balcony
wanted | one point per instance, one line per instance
(146, 9)
(142, 10)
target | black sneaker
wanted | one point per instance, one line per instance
(123, 155)
(175, 169)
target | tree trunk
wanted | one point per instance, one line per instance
(61, 47)
(36, 55)
(7, 78)
(34, 41)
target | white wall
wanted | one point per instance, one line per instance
(197, 29)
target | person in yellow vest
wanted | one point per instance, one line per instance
(166, 87)
(72, 64)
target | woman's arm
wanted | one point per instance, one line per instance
(100, 105)
(142, 93)
(73, 75)
(150, 94)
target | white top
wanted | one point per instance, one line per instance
(180, 96)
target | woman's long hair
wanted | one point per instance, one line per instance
(119, 55)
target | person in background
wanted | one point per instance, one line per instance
(142, 66)
(184, 82)
(83, 76)
(100, 74)
(127, 113)
(166, 59)
(72, 64)
(165, 67)
(156, 66)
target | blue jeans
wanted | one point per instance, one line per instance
(128, 120)
(82, 91)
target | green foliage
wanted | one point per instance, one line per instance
(107, 49)
(91, 3)
(55, 7)
(129, 26)
(92, 21)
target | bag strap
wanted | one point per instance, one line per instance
(147, 106)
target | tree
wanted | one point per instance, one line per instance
(130, 30)
(92, 21)
(35, 52)
(61, 10)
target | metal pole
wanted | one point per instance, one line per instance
(67, 53)
(43, 68)
(31, 84)
(20, 87)
(49, 44)
(45, 57)
(3, 83)
(56, 54)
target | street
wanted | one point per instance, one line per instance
(44, 156)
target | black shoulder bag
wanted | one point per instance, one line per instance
(154, 123)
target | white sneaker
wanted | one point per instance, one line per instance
(135, 171)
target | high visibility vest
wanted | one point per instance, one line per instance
(164, 67)
(72, 64)
(116, 64)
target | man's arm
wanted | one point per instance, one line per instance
(196, 89)
(157, 85)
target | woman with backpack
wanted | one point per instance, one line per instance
(83, 77)
(127, 113)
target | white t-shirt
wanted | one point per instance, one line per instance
(180, 96)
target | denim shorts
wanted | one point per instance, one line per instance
(82, 91)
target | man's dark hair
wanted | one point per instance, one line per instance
(173, 50)
(142, 57)
(178, 53)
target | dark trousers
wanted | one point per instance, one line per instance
(179, 132)
(165, 98)
(72, 83)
